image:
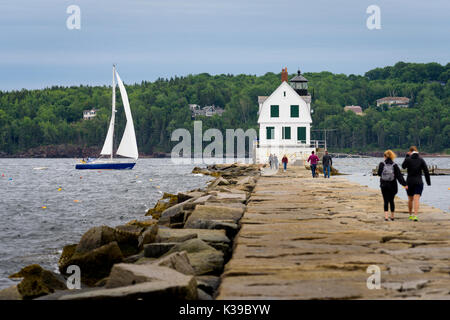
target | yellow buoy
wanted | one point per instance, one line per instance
(59, 189)
(44, 207)
(76, 200)
(157, 187)
(150, 179)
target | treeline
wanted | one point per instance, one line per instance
(31, 118)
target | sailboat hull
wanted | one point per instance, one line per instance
(105, 166)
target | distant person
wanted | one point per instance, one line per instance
(389, 173)
(271, 161)
(415, 165)
(313, 159)
(327, 162)
(285, 162)
(275, 160)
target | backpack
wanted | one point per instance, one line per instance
(388, 172)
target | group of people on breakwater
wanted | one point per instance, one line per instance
(327, 162)
(390, 173)
(273, 162)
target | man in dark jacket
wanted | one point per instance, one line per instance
(415, 166)
(327, 162)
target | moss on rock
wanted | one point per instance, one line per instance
(96, 264)
(37, 282)
(168, 200)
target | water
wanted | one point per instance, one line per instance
(31, 234)
(360, 170)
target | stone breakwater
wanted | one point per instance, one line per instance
(255, 234)
(179, 252)
(305, 238)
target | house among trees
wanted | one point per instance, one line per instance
(89, 114)
(207, 111)
(394, 102)
(284, 120)
(355, 109)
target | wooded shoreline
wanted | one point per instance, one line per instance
(75, 151)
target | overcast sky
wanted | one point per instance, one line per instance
(148, 39)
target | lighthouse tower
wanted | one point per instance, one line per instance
(284, 120)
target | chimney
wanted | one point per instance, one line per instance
(284, 75)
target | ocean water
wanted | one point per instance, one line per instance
(30, 233)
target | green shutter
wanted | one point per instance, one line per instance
(274, 111)
(301, 133)
(286, 133)
(270, 133)
(294, 111)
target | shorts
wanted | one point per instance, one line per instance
(414, 189)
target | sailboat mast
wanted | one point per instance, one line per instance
(113, 114)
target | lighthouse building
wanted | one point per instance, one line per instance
(284, 120)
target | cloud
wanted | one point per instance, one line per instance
(153, 38)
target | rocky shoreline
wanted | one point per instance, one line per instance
(178, 253)
(77, 151)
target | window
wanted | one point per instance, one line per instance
(284, 93)
(270, 133)
(274, 111)
(294, 111)
(301, 133)
(286, 133)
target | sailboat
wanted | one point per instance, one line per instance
(128, 146)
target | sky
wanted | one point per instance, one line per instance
(148, 39)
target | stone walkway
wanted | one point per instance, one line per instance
(304, 238)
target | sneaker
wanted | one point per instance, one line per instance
(413, 218)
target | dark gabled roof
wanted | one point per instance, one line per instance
(298, 78)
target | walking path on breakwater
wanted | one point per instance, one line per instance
(305, 238)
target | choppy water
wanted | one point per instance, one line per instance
(30, 234)
(436, 195)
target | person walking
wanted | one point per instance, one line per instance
(285, 162)
(271, 161)
(415, 166)
(389, 173)
(313, 159)
(327, 162)
(275, 160)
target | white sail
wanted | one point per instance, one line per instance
(128, 145)
(108, 145)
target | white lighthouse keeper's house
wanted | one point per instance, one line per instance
(285, 121)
